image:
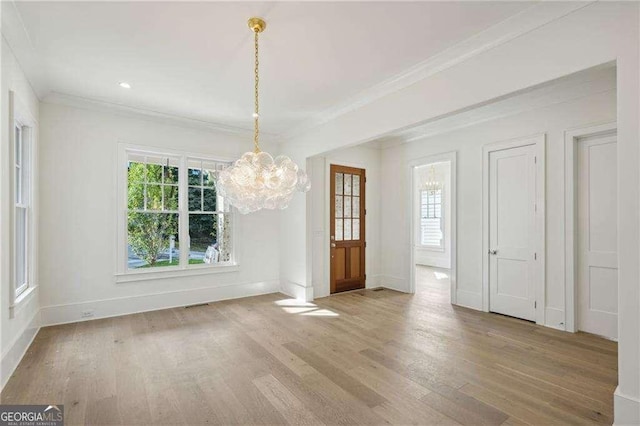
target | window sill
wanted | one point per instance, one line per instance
(133, 276)
(20, 300)
(431, 248)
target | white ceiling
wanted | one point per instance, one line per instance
(194, 60)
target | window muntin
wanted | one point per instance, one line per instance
(22, 208)
(152, 211)
(347, 207)
(209, 215)
(431, 223)
(172, 205)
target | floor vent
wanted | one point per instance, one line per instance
(378, 289)
(196, 305)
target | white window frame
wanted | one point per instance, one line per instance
(22, 202)
(23, 199)
(191, 163)
(123, 274)
(438, 247)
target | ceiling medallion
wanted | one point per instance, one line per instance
(258, 181)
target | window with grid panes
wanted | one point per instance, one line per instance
(158, 218)
(347, 207)
(431, 224)
(22, 208)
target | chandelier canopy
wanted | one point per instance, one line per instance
(258, 181)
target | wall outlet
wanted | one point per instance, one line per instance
(86, 314)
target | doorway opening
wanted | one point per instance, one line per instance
(433, 225)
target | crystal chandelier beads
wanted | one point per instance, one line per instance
(258, 181)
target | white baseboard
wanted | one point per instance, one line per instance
(469, 299)
(554, 318)
(12, 357)
(394, 283)
(296, 291)
(373, 281)
(626, 409)
(73, 312)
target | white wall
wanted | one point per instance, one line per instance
(468, 142)
(595, 34)
(19, 324)
(360, 157)
(440, 258)
(79, 150)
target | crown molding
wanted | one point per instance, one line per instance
(147, 114)
(515, 26)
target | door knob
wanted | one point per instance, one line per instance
(493, 251)
(333, 245)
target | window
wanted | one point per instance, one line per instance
(431, 223)
(175, 218)
(209, 218)
(22, 208)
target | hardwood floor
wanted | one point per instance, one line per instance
(366, 357)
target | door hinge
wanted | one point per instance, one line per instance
(535, 305)
(535, 160)
(535, 256)
(365, 276)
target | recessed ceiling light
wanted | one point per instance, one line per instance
(124, 85)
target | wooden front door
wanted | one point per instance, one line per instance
(347, 239)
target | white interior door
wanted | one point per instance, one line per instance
(512, 227)
(597, 237)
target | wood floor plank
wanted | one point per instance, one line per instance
(354, 387)
(294, 412)
(364, 357)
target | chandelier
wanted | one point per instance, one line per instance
(432, 184)
(258, 181)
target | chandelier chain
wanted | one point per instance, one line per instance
(256, 116)
(258, 181)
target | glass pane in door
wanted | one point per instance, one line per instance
(339, 184)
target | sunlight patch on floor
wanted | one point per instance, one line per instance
(321, 313)
(294, 302)
(300, 307)
(440, 275)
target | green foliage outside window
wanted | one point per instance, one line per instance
(203, 229)
(152, 187)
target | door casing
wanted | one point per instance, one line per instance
(539, 141)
